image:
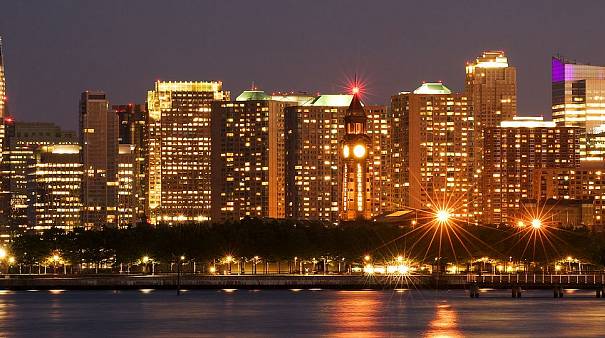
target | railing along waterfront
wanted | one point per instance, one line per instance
(538, 279)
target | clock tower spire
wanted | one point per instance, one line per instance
(355, 147)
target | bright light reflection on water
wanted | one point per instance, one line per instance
(362, 313)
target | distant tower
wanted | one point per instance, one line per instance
(356, 199)
(3, 98)
(99, 141)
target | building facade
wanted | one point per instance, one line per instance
(54, 182)
(99, 142)
(132, 163)
(3, 97)
(583, 183)
(179, 150)
(248, 155)
(22, 139)
(512, 152)
(379, 130)
(313, 134)
(491, 87)
(578, 100)
(432, 143)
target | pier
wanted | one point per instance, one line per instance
(517, 283)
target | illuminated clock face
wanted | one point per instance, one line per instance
(345, 151)
(359, 151)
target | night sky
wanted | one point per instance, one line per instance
(56, 49)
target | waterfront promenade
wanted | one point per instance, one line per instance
(471, 282)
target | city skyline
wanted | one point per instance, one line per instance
(420, 49)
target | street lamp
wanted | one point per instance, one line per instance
(442, 216)
(178, 275)
(229, 260)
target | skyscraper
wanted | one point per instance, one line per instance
(54, 181)
(491, 87)
(248, 155)
(3, 97)
(3, 109)
(314, 130)
(356, 179)
(431, 144)
(132, 162)
(180, 174)
(314, 133)
(22, 139)
(379, 130)
(99, 141)
(512, 152)
(578, 99)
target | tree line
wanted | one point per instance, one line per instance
(281, 240)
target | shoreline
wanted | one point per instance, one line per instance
(336, 282)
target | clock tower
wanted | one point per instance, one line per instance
(355, 148)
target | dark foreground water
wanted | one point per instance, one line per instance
(148, 313)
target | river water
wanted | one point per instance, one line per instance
(263, 313)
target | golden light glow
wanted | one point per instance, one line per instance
(443, 216)
(521, 224)
(359, 151)
(367, 258)
(345, 151)
(212, 269)
(2, 253)
(145, 259)
(536, 223)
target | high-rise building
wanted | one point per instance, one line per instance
(248, 155)
(578, 100)
(99, 142)
(313, 157)
(491, 87)
(19, 146)
(432, 140)
(3, 97)
(314, 131)
(379, 130)
(132, 163)
(356, 179)
(179, 148)
(3, 110)
(128, 199)
(583, 183)
(512, 152)
(54, 181)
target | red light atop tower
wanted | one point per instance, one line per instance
(355, 90)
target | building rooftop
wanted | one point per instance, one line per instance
(432, 88)
(253, 95)
(337, 100)
(527, 122)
